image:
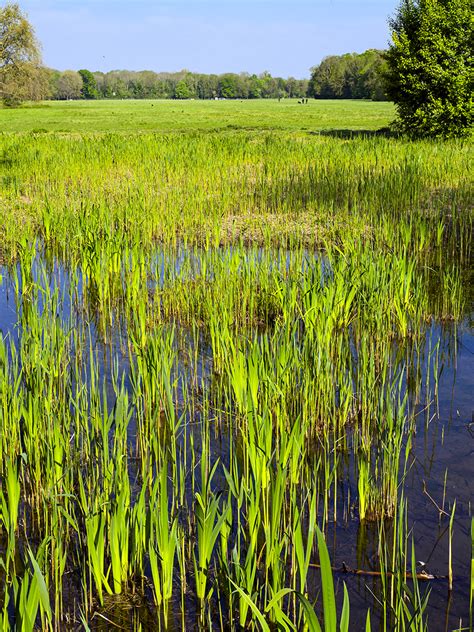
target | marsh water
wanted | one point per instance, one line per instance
(439, 467)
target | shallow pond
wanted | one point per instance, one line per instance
(439, 465)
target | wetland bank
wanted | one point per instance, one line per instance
(235, 368)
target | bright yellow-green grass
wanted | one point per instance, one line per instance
(148, 116)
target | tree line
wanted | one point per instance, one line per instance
(350, 76)
(146, 84)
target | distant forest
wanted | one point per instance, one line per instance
(349, 76)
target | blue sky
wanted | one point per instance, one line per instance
(282, 36)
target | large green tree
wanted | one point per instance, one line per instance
(182, 90)
(21, 73)
(430, 67)
(89, 85)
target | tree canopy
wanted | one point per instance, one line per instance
(69, 85)
(21, 74)
(89, 85)
(430, 67)
(349, 76)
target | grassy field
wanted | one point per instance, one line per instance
(165, 116)
(224, 355)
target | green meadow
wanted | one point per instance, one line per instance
(235, 369)
(133, 116)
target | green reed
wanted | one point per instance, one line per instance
(209, 329)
